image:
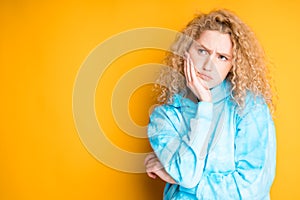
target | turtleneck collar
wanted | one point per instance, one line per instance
(218, 93)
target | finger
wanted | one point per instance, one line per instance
(149, 157)
(153, 166)
(164, 176)
(153, 171)
(185, 69)
(188, 68)
(151, 175)
(193, 72)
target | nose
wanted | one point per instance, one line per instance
(207, 65)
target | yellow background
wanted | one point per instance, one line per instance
(42, 46)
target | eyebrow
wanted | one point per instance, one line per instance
(209, 50)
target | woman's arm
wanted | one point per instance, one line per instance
(180, 154)
(154, 168)
(182, 158)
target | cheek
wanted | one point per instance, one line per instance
(198, 61)
(224, 70)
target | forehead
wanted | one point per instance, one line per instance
(215, 41)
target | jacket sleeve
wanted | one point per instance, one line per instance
(255, 157)
(180, 153)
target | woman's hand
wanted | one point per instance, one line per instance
(154, 168)
(194, 82)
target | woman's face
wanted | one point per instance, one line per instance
(211, 55)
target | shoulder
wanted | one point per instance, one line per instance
(164, 120)
(171, 114)
(165, 111)
(254, 105)
(254, 100)
(171, 109)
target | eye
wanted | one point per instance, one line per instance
(202, 51)
(223, 58)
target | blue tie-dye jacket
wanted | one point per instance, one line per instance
(215, 150)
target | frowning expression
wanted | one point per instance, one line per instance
(211, 55)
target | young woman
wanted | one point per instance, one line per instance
(214, 137)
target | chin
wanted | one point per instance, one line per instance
(211, 84)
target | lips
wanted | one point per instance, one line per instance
(204, 76)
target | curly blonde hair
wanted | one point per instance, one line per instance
(249, 70)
